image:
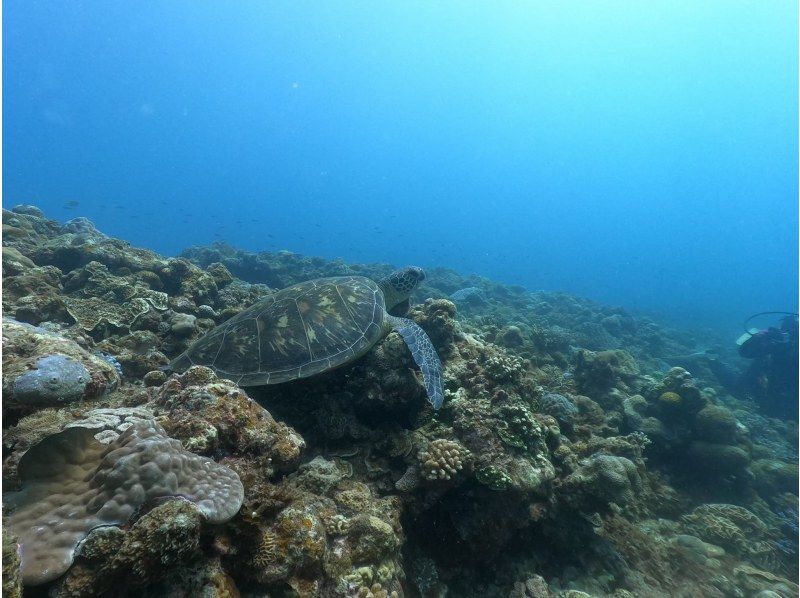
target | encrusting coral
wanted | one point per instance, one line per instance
(72, 483)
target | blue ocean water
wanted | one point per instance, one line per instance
(637, 153)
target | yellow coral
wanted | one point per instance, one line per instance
(376, 590)
(268, 551)
(670, 398)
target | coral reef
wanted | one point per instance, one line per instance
(572, 456)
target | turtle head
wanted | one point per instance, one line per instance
(398, 286)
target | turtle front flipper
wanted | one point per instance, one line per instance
(424, 354)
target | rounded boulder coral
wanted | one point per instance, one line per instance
(605, 479)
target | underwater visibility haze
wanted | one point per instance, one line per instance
(400, 299)
(643, 154)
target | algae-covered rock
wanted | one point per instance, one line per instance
(294, 545)
(714, 460)
(596, 373)
(209, 414)
(371, 539)
(773, 476)
(163, 538)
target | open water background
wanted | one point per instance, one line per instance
(638, 153)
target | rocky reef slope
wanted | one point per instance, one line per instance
(569, 459)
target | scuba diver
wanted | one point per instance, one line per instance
(771, 377)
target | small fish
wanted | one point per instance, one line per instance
(71, 204)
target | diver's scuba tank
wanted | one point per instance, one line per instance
(751, 332)
(746, 336)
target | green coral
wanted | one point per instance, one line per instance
(493, 477)
(518, 428)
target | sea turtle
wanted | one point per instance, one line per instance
(315, 326)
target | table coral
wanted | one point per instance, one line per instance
(730, 526)
(89, 312)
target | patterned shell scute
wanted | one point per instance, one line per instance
(300, 331)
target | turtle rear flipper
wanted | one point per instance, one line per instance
(180, 364)
(424, 354)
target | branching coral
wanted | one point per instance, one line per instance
(442, 459)
(503, 368)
